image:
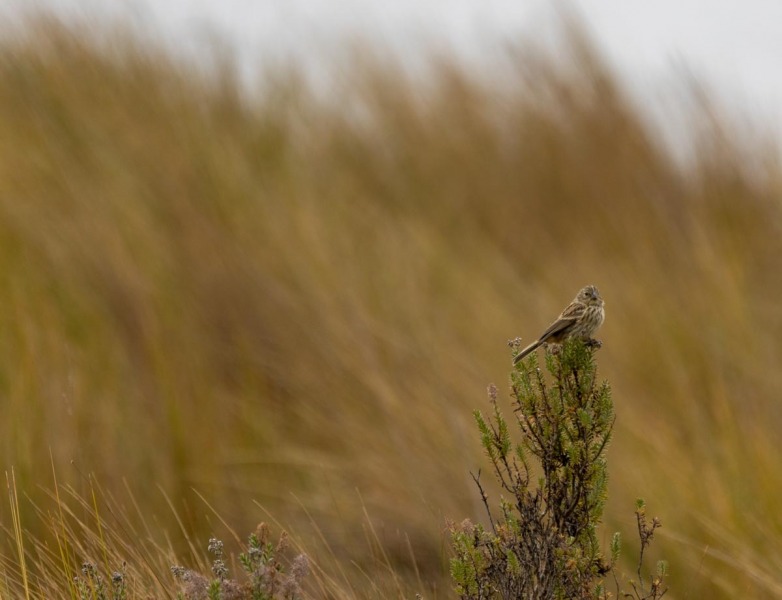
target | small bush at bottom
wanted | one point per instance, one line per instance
(268, 579)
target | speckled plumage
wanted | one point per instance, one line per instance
(581, 319)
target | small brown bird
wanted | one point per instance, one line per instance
(580, 319)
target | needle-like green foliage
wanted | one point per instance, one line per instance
(544, 544)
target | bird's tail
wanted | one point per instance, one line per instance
(531, 348)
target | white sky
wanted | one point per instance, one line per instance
(734, 47)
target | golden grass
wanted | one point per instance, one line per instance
(295, 302)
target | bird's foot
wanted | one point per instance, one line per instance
(593, 343)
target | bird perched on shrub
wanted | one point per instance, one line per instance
(581, 319)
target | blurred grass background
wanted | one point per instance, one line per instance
(295, 300)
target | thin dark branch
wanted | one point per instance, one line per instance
(484, 498)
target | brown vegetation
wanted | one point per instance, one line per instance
(297, 301)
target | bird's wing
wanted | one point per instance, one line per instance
(572, 313)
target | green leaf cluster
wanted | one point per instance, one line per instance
(543, 543)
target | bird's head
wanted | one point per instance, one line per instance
(590, 296)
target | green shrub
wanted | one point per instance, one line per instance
(543, 543)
